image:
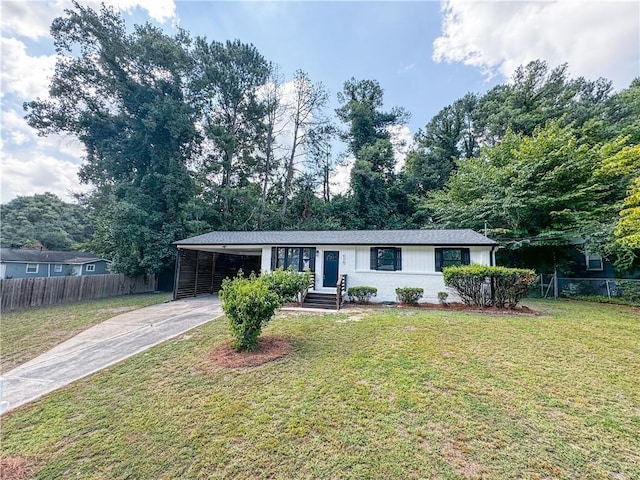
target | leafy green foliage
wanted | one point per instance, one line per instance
(483, 286)
(125, 97)
(629, 290)
(442, 297)
(249, 303)
(288, 284)
(362, 294)
(409, 295)
(44, 220)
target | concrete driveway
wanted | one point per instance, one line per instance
(103, 345)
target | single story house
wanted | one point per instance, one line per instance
(385, 259)
(17, 263)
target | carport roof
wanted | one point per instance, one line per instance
(345, 237)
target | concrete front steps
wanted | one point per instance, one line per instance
(320, 300)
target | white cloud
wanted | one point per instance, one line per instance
(339, 180)
(17, 133)
(38, 173)
(32, 19)
(402, 141)
(26, 76)
(596, 38)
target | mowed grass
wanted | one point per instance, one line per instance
(383, 394)
(27, 333)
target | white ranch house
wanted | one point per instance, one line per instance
(385, 259)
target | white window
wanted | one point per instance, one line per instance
(594, 261)
(57, 268)
(32, 267)
(91, 268)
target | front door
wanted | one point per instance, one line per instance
(330, 278)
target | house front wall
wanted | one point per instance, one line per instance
(418, 269)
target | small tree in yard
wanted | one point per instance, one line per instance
(249, 303)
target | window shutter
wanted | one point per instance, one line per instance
(398, 259)
(438, 259)
(374, 259)
(274, 258)
(466, 256)
(312, 260)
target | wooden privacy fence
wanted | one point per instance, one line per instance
(17, 293)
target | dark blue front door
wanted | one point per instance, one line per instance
(330, 278)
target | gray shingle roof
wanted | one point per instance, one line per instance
(346, 237)
(46, 256)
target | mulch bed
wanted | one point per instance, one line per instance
(452, 306)
(15, 468)
(269, 348)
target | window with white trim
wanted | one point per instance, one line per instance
(32, 267)
(387, 259)
(594, 261)
(299, 259)
(57, 268)
(452, 257)
(91, 267)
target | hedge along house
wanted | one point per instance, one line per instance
(385, 259)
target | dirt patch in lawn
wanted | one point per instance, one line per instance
(269, 348)
(16, 468)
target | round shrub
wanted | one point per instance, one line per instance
(409, 295)
(362, 294)
(249, 304)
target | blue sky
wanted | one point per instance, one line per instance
(424, 54)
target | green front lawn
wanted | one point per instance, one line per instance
(26, 334)
(389, 394)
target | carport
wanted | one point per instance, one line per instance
(200, 269)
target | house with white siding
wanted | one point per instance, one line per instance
(385, 259)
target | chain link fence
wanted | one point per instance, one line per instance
(551, 286)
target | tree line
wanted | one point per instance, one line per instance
(184, 135)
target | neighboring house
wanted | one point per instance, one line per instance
(385, 259)
(15, 263)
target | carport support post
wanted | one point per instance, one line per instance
(176, 275)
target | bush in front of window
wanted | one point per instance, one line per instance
(249, 303)
(483, 286)
(362, 294)
(409, 295)
(288, 284)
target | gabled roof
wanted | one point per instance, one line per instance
(345, 237)
(47, 256)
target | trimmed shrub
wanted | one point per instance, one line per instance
(362, 294)
(249, 303)
(483, 286)
(409, 295)
(442, 297)
(288, 284)
(629, 290)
